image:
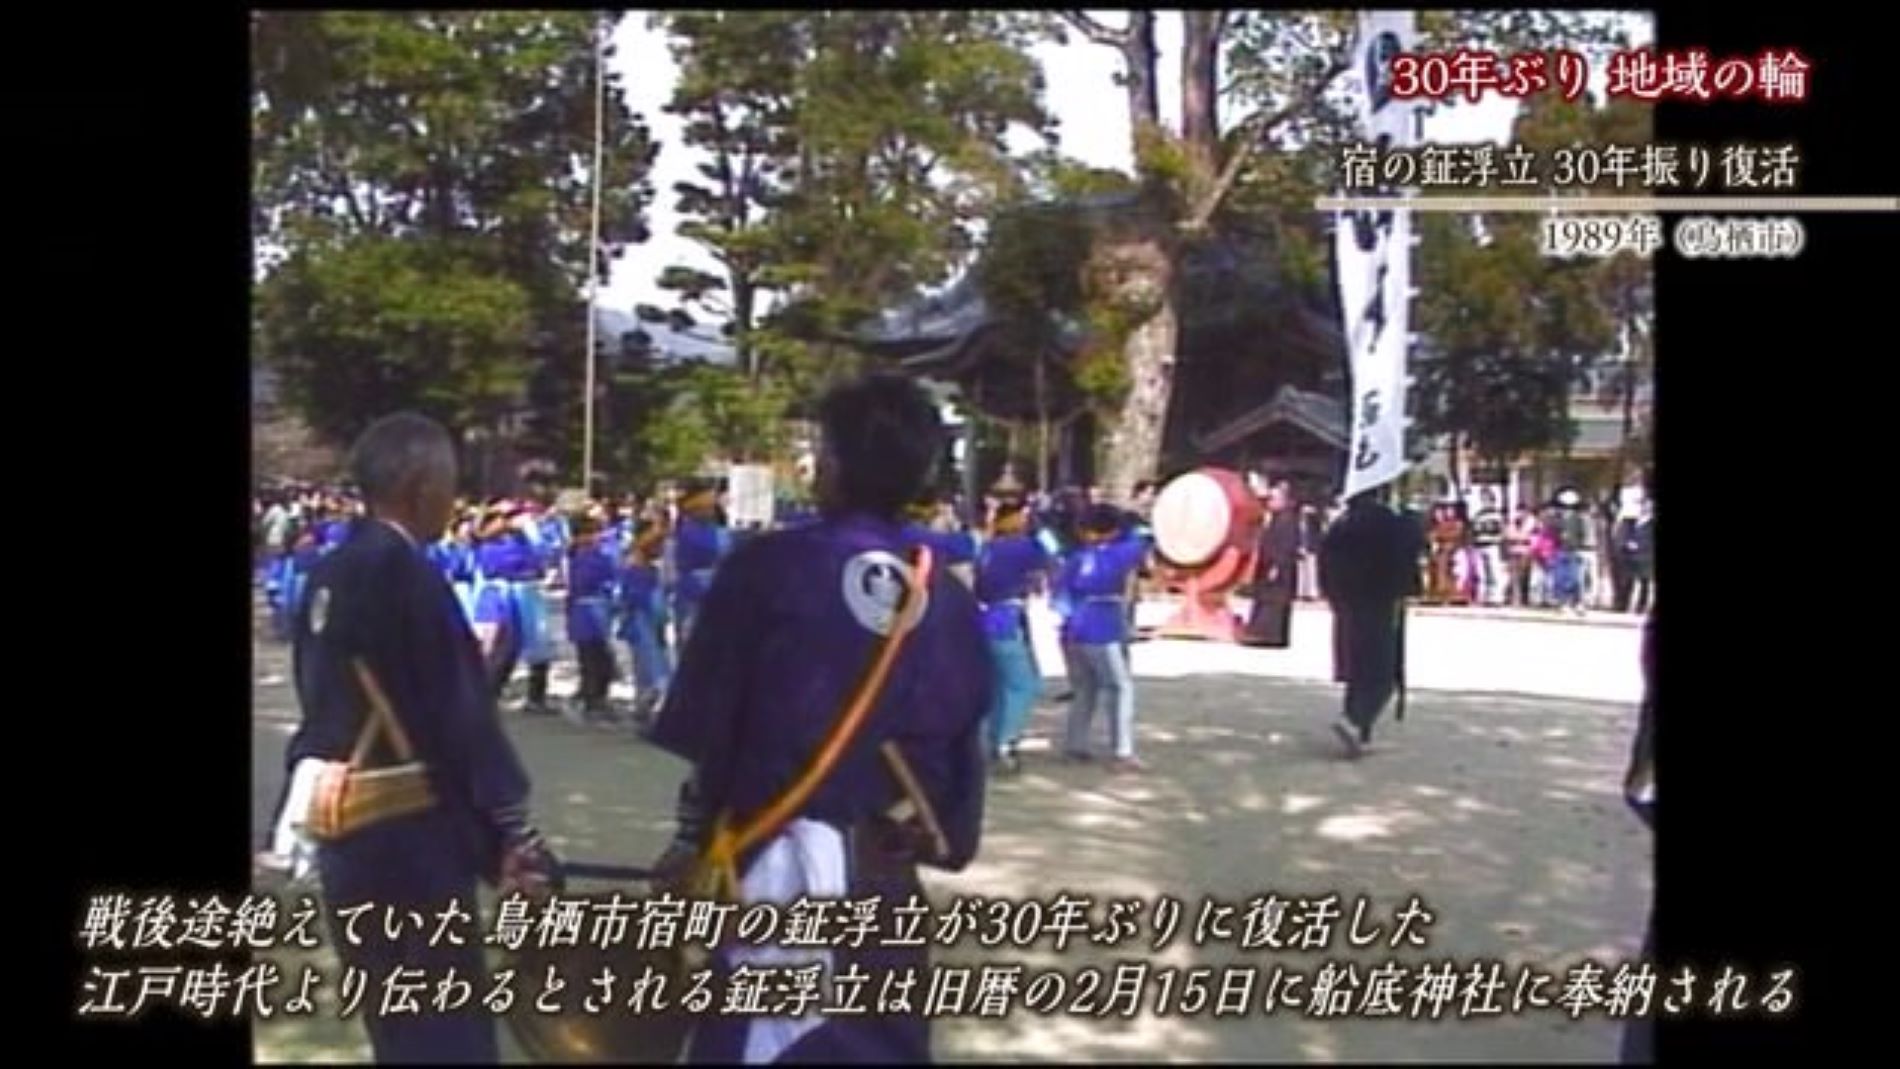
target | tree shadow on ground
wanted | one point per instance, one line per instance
(1502, 813)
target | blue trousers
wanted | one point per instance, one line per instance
(531, 609)
(1102, 676)
(684, 610)
(1013, 693)
(290, 600)
(1566, 579)
(651, 672)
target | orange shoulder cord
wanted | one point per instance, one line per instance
(717, 874)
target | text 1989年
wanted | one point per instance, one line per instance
(1567, 236)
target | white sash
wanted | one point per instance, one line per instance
(807, 858)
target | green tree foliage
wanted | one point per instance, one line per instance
(1507, 333)
(681, 415)
(422, 196)
(1279, 72)
(735, 94)
(853, 154)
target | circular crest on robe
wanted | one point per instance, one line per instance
(875, 582)
(319, 609)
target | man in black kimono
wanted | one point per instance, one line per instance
(1277, 576)
(378, 606)
(1368, 566)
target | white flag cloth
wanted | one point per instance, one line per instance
(807, 858)
(1374, 257)
(1379, 341)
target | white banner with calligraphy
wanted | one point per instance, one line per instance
(1374, 256)
(749, 495)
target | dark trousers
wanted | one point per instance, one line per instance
(415, 864)
(1271, 622)
(1521, 569)
(1368, 655)
(1623, 584)
(597, 672)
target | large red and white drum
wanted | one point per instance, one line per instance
(1207, 520)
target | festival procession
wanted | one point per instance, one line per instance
(1281, 715)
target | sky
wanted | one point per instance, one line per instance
(1093, 125)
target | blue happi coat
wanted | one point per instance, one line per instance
(1094, 583)
(698, 547)
(640, 608)
(590, 576)
(1005, 571)
(292, 575)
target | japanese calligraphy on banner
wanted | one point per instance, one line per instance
(749, 500)
(1374, 255)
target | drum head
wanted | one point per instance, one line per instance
(1192, 515)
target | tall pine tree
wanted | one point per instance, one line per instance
(422, 189)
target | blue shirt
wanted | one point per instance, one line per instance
(950, 547)
(590, 574)
(1004, 572)
(1095, 582)
(698, 547)
(638, 600)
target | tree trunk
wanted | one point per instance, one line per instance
(1631, 375)
(1137, 270)
(1200, 97)
(1141, 58)
(743, 297)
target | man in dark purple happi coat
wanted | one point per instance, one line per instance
(788, 629)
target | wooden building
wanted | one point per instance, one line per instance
(1258, 379)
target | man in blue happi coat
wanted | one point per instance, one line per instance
(590, 578)
(1095, 579)
(381, 623)
(500, 556)
(700, 543)
(292, 579)
(786, 632)
(1006, 570)
(640, 604)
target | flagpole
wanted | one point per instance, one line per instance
(593, 259)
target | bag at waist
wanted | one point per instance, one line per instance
(348, 800)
